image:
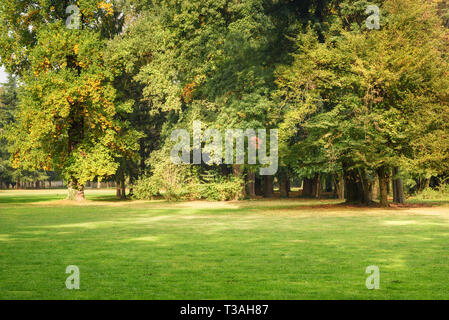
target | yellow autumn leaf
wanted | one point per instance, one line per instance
(106, 7)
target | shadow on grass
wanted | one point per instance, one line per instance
(105, 198)
(31, 198)
(27, 198)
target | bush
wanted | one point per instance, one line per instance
(439, 193)
(145, 189)
(221, 189)
(184, 182)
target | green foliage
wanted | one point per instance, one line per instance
(369, 98)
(184, 182)
(438, 193)
(8, 102)
(98, 101)
(69, 117)
(219, 189)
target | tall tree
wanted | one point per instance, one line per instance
(358, 99)
(67, 112)
(8, 104)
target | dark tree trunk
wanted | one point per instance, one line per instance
(258, 186)
(224, 169)
(283, 183)
(329, 183)
(398, 187)
(131, 184)
(118, 192)
(382, 173)
(283, 189)
(367, 195)
(251, 184)
(268, 186)
(122, 188)
(308, 187)
(121, 182)
(316, 187)
(353, 186)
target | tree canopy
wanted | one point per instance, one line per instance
(104, 83)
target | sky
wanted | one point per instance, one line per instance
(3, 75)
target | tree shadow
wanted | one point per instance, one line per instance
(30, 198)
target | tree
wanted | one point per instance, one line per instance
(358, 99)
(8, 104)
(67, 112)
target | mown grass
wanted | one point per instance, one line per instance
(292, 249)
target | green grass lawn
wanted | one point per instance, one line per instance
(292, 249)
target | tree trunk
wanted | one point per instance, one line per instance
(123, 188)
(224, 169)
(258, 186)
(132, 179)
(398, 187)
(309, 187)
(306, 187)
(316, 187)
(118, 192)
(329, 183)
(375, 189)
(283, 189)
(268, 186)
(339, 183)
(251, 184)
(353, 186)
(382, 173)
(75, 190)
(283, 184)
(367, 196)
(237, 172)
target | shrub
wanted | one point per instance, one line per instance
(439, 193)
(222, 189)
(171, 187)
(184, 182)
